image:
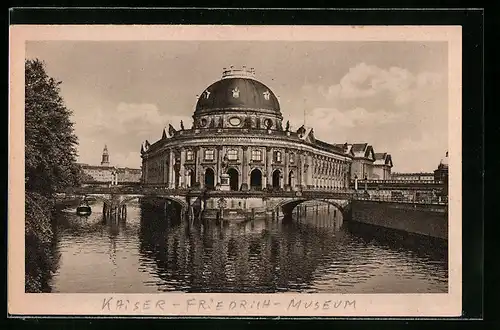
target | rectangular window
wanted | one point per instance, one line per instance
(189, 155)
(277, 156)
(232, 154)
(209, 154)
(256, 155)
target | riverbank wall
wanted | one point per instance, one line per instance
(429, 220)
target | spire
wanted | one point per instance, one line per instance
(105, 156)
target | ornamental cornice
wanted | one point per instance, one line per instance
(237, 110)
(246, 141)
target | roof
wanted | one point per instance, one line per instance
(363, 150)
(237, 94)
(359, 147)
(308, 138)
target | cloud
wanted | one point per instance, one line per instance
(365, 81)
(122, 128)
(133, 119)
(331, 117)
(425, 142)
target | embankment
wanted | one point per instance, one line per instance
(429, 220)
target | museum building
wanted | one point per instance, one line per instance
(238, 131)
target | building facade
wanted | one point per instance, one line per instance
(107, 174)
(238, 131)
(366, 164)
(381, 167)
(418, 176)
(441, 173)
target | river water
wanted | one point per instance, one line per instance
(148, 253)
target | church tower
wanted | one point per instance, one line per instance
(105, 156)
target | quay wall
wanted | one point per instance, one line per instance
(422, 219)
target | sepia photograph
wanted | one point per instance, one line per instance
(225, 166)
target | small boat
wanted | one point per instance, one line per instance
(83, 208)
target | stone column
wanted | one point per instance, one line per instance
(287, 167)
(302, 169)
(197, 169)
(268, 165)
(309, 170)
(182, 171)
(244, 164)
(171, 172)
(218, 167)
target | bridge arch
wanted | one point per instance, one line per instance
(182, 203)
(286, 206)
(99, 198)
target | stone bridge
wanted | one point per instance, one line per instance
(115, 198)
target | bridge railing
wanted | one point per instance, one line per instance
(397, 181)
(161, 190)
(404, 199)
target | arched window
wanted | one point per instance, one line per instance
(277, 156)
(232, 154)
(189, 155)
(256, 155)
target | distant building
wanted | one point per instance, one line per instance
(368, 164)
(107, 174)
(441, 173)
(381, 167)
(105, 156)
(418, 176)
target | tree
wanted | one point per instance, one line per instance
(50, 164)
(50, 142)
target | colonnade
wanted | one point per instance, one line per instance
(175, 170)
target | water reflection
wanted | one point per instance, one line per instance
(154, 251)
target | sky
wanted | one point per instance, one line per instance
(392, 95)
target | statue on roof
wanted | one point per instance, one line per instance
(171, 130)
(182, 125)
(287, 127)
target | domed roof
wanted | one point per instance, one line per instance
(238, 90)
